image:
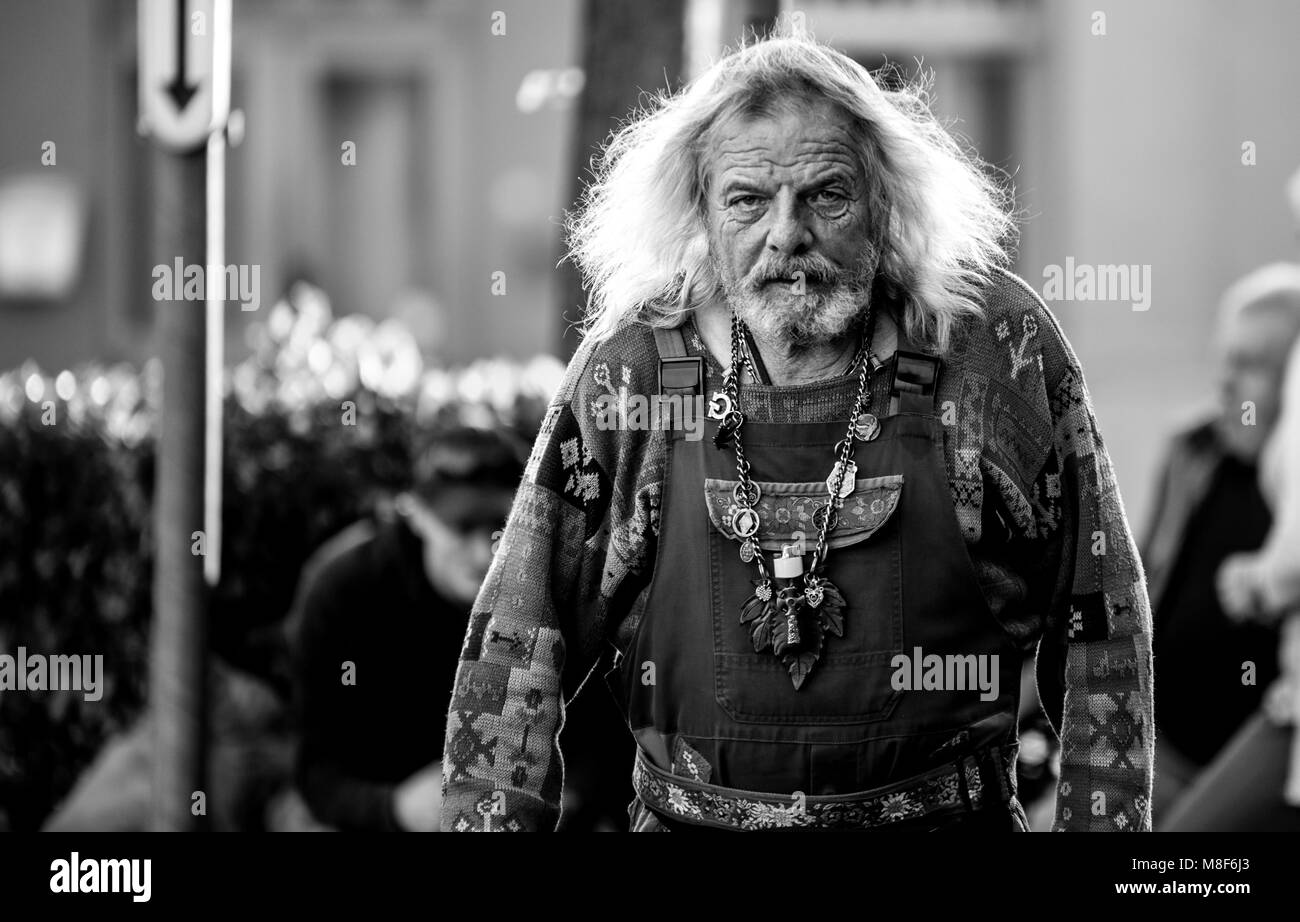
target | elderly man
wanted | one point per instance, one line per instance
(817, 613)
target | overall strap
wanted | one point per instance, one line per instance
(680, 374)
(912, 390)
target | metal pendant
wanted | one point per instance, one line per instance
(720, 405)
(744, 522)
(792, 625)
(847, 483)
(866, 427)
(814, 593)
(764, 591)
(826, 511)
(748, 550)
(747, 493)
(727, 429)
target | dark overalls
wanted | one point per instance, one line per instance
(724, 739)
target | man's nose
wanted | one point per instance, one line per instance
(789, 233)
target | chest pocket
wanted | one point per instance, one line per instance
(785, 511)
(851, 681)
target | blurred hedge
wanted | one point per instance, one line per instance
(320, 422)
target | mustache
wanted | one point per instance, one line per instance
(814, 268)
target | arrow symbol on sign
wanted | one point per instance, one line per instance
(177, 88)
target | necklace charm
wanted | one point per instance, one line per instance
(814, 593)
(748, 550)
(787, 637)
(764, 591)
(790, 564)
(720, 405)
(744, 522)
(847, 479)
(727, 429)
(866, 427)
(746, 493)
(792, 626)
(826, 516)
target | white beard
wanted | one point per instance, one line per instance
(822, 313)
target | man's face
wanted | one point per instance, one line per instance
(460, 531)
(789, 228)
(1254, 344)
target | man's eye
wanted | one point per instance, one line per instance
(827, 197)
(746, 201)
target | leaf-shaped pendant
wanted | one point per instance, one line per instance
(780, 639)
(759, 612)
(755, 607)
(799, 663)
(800, 666)
(831, 612)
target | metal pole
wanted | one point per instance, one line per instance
(215, 312)
(178, 667)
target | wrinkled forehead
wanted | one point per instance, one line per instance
(785, 128)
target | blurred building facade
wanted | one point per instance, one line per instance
(460, 145)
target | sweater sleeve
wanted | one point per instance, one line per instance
(1098, 630)
(582, 521)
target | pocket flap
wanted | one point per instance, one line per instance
(785, 510)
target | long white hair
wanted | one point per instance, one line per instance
(639, 235)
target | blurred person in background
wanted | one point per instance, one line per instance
(380, 617)
(1209, 508)
(1254, 783)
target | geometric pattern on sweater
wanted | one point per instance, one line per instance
(1109, 736)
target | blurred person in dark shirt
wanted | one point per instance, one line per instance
(380, 618)
(1213, 669)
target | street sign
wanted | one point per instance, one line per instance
(184, 70)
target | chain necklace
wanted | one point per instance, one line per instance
(748, 361)
(793, 607)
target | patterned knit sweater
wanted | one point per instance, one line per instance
(1034, 493)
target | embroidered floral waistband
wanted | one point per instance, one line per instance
(702, 804)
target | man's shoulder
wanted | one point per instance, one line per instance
(334, 569)
(582, 447)
(625, 359)
(1016, 328)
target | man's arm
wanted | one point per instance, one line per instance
(1098, 632)
(1280, 560)
(581, 523)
